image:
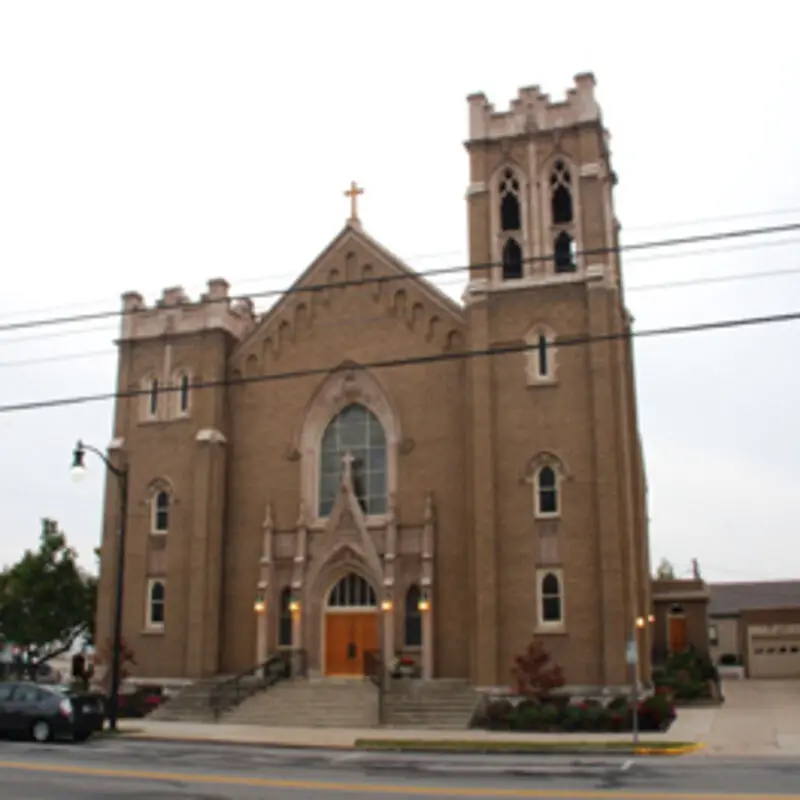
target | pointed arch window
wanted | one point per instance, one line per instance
(156, 603)
(512, 260)
(540, 356)
(561, 208)
(564, 253)
(355, 434)
(510, 206)
(184, 386)
(160, 511)
(546, 487)
(285, 618)
(550, 596)
(412, 618)
(153, 397)
(352, 591)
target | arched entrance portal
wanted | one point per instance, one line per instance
(351, 626)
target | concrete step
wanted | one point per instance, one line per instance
(333, 704)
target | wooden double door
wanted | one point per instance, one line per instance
(348, 636)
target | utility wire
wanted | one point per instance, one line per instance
(740, 322)
(409, 259)
(106, 353)
(111, 330)
(382, 279)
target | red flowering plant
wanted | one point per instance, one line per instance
(535, 674)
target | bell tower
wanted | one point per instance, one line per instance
(569, 560)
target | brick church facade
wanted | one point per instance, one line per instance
(448, 509)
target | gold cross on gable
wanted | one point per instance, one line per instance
(353, 192)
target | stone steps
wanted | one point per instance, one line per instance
(437, 704)
(316, 704)
(191, 704)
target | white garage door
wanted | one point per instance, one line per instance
(775, 657)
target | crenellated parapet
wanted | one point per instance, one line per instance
(532, 110)
(174, 313)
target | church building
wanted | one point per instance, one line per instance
(371, 467)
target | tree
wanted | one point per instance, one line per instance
(535, 674)
(46, 601)
(665, 571)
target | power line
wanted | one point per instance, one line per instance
(409, 259)
(112, 329)
(645, 287)
(381, 279)
(413, 361)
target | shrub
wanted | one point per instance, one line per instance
(498, 714)
(729, 660)
(655, 712)
(535, 674)
(525, 717)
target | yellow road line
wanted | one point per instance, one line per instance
(419, 791)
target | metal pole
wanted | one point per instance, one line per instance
(113, 703)
(635, 690)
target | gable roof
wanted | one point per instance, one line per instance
(353, 231)
(733, 598)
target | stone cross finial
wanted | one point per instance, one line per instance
(353, 193)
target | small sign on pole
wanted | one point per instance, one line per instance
(632, 657)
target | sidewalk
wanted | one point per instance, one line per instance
(684, 730)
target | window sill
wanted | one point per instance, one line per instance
(536, 383)
(158, 533)
(153, 631)
(547, 517)
(550, 630)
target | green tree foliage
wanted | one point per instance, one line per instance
(46, 600)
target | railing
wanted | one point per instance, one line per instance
(281, 666)
(375, 670)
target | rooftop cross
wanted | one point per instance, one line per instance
(353, 192)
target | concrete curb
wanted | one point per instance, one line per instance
(540, 751)
(664, 751)
(645, 750)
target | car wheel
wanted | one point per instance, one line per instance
(40, 731)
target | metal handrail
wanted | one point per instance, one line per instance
(281, 666)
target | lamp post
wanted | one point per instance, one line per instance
(633, 660)
(121, 474)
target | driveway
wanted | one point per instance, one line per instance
(759, 717)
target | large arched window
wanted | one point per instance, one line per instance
(412, 631)
(285, 618)
(354, 434)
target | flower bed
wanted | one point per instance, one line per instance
(562, 715)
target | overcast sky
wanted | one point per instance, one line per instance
(148, 144)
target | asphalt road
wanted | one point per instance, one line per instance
(124, 769)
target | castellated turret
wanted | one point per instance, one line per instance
(176, 313)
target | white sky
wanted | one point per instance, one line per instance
(148, 144)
